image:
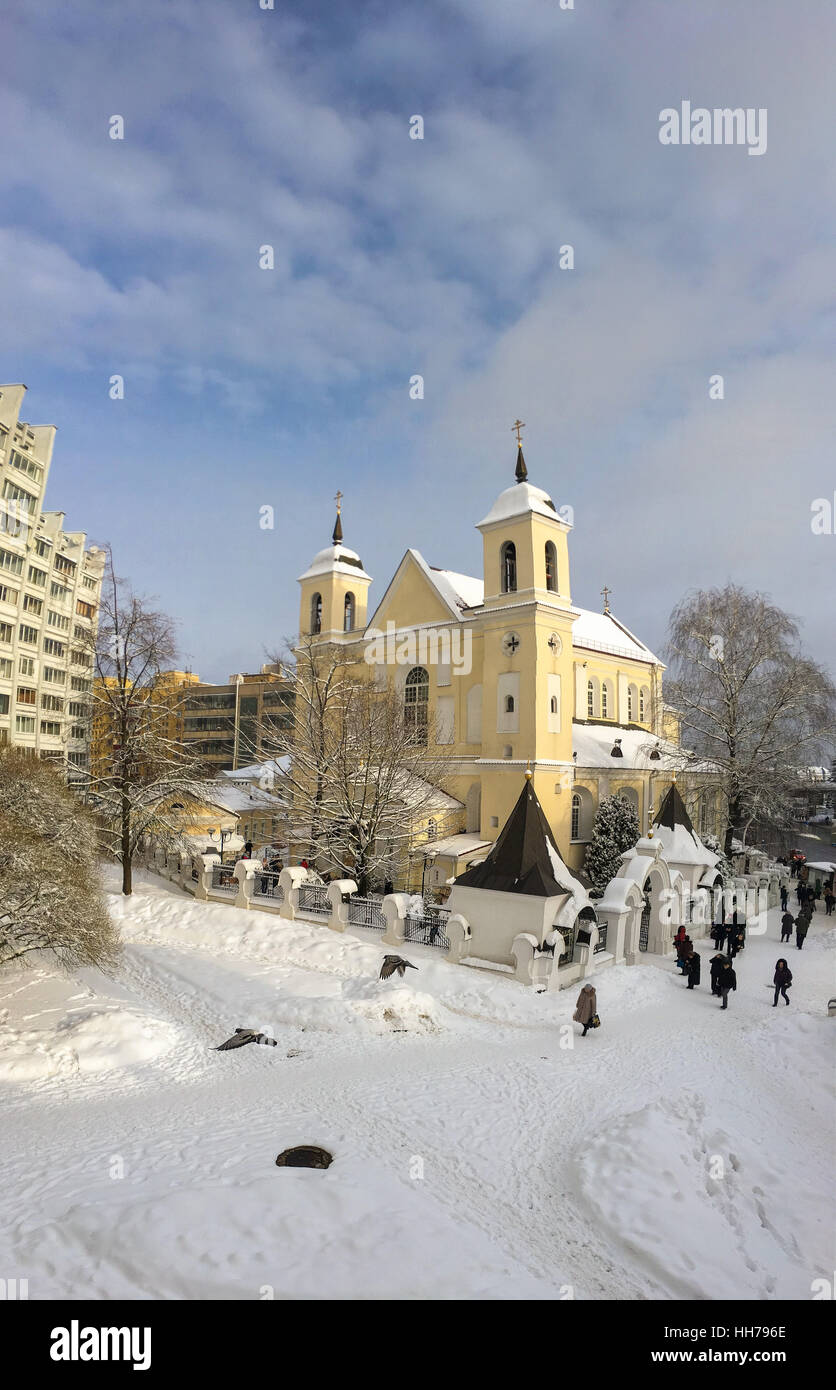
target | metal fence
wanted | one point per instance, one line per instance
(313, 898)
(223, 878)
(366, 912)
(267, 886)
(568, 934)
(429, 929)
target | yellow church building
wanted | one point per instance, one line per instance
(506, 672)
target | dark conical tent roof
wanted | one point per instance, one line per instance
(520, 472)
(672, 811)
(525, 858)
(337, 533)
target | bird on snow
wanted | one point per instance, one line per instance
(242, 1036)
(393, 963)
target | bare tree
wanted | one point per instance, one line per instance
(137, 767)
(751, 703)
(50, 892)
(360, 773)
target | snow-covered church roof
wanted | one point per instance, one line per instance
(335, 559)
(518, 501)
(673, 827)
(602, 632)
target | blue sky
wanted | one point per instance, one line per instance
(393, 256)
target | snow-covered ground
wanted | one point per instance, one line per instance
(677, 1152)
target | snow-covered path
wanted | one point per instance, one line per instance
(679, 1152)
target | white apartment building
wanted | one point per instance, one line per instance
(49, 596)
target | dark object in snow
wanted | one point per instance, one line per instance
(393, 963)
(305, 1156)
(242, 1036)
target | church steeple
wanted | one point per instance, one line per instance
(520, 472)
(337, 533)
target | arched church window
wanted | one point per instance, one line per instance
(509, 704)
(605, 701)
(576, 817)
(590, 700)
(553, 704)
(508, 564)
(631, 703)
(641, 706)
(551, 567)
(316, 613)
(416, 698)
(348, 622)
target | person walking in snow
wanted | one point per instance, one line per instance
(799, 891)
(829, 900)
(784, 897)
(787, 924)
(731, 938)
(718, 930)
(680, 936)
(782, 979)
(586, 1008)
(682, 949)
(692, 968)
(801, 926)
(728, 981)
(717, 962)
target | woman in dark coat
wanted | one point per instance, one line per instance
(787, 924)
(801, 925)
(728, 981)
(717, 963)
(682, 949)
(782, 979)
(692, 968)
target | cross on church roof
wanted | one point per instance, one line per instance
(517, 426)
(606, 593)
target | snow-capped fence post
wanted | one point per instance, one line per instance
(204, 864)
(290, 880)
(523, 948)
(460, 936)
(394, 908)
(245, 872)
(339, 894)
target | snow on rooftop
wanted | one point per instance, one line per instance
(517, 501)
(603, 632)
(462, 590)
(335, 559)
(593, 744)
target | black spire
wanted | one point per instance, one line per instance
(521, 472)
(672, 811)
(338, 530)
(525, 858)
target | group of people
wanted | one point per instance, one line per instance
(723, 974)
(807, 902)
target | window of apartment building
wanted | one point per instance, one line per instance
(6, 632)
(53, 647)
(249, 704)
(89, 581)
(62, 565)
(57, 619)
(12, 493)
(5, 668)
(78, 759)
(33, 605)
(78, 731)
(8, 594)
(79, 683)
(42, 548)
(11, 562)
(52, 702)
(84, 610)
(80, 658)
(26, 696)
(75, 708)
(207, 702)
(25, 723)
(4, 704)
(37, 576)
(53, 676)
(27, 466)
(81, 634)
(59, 591)
(26, 666)
(28, 634)
(51, 727)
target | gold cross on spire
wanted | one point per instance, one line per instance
(606, 593)
(518, 425)
(338, 499)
